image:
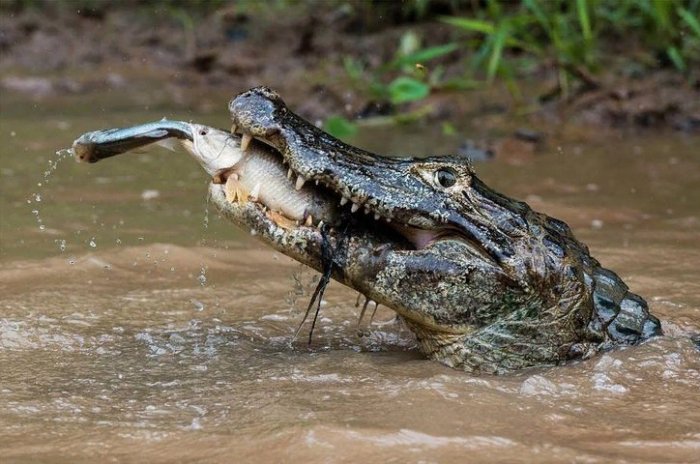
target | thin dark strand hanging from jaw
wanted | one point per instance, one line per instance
(371, 318)
(327, 261)
(328, 254)
(362, 313)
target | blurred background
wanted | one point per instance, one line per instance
(623, 62)
(136, 325)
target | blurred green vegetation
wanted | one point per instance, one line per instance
(483, 41)
(505, 39)
(579, 37)
(509, 40)
(573, 35)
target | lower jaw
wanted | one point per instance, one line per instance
(305, 243)
(302, 243)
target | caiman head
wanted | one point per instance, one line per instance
(483, 281)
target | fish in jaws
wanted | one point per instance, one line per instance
(485, 283)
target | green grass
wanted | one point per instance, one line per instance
(576, 36)
(505, 40)
(497, 40)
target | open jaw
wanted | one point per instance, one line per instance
(365, 245)
(484, 282)
(264, 191)
(407, 193)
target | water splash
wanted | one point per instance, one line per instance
(202, 277)
(198, 305)
(53, 164)
(205, 222)
(36, 196)
(39, 222)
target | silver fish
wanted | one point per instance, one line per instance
(256, 174)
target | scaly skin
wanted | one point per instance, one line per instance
(485, 283)
(494, 287)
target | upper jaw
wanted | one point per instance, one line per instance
(396, 196)
(313, 155)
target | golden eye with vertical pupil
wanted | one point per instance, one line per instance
(445, 177)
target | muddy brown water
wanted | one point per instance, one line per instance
(136, 326)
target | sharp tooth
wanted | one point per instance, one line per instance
(234, 128)
(320, 224)
(343, 200)
(255, 192)
(366, 209)
(376, 216)
(245, 141)
(354, 208)
(309, 220)
(388, 219)
(300, 182)
(289, 173)
(316, 181)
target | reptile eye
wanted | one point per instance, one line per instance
(445, 177)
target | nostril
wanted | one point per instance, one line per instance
(202, 132)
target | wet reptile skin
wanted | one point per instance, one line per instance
(500, 287)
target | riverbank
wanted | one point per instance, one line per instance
(327, 60)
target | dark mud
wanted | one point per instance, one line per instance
(299, 51)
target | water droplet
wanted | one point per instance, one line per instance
(198, 305)
(202, 277)
(53, 165)
(39, 222)
(93, 244)
(61, 244)
(206, 214)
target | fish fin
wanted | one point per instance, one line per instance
(170, 143)
(155, 134)
(281, 220)
(234, 191)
